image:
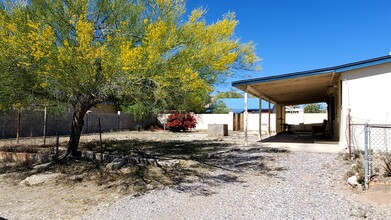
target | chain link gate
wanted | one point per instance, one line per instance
(377, 154)
(371, 143)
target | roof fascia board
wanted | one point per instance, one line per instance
(337, 69)
(278, 77)
(363, 65)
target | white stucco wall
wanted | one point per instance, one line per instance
(204, 119)
(366, 92)
(253, 120)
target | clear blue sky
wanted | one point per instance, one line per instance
(298, 35)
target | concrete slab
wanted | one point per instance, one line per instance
(304, 147)
(301, 141)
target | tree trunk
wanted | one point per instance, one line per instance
(76, 129)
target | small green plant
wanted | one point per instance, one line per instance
(357, 169)
(387, 165)
(356, 154)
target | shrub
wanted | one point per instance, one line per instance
(387, 165)
(358, 170)
(180, 122)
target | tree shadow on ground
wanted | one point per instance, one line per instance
(161, 149)
(199, 165)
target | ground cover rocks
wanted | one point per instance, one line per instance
(353, 181)
(116, 164)
(209, 180)
(300, 186)
(39, 179)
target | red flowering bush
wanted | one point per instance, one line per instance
(180, 122)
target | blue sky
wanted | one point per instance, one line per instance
(298, 35)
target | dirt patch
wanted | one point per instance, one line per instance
(194, 162)
(50, 200)
(379, 194)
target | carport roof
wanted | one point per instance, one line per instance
(302, 87)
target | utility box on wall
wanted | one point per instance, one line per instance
(217, 130)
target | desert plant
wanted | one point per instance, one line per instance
(387, 165)
(356, 154)
(180, 122)
(357, 170)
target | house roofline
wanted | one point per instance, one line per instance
(336, 69)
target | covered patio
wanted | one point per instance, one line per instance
(343, 88)
(321, 85)
(302, 142)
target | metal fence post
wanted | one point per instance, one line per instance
(246, 118)
(18, 127)
(57, 145)
(100, 139)
(366, 156)
(45, 123)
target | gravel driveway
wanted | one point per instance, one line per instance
(304, 186)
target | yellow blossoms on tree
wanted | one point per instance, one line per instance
(145, 55)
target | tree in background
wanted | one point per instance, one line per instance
(143, 55)
(229, 94)
(219, 107)
(314, 108)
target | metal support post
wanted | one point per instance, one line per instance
(45, 121)
(246, 118)
(260, 118)
(366, 156)
(268, 118)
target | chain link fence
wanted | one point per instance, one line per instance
(377, 139)
(372, 143)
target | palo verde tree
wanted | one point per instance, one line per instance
(146, 55)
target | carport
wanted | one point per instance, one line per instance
(331, 85)
(321, 85)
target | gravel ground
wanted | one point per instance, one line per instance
(303, 186)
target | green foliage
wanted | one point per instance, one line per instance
(314, 108)
(219, 107)
(229, 94)
(143, 55)
(387, 164)
(358, 170)
(86, 52)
